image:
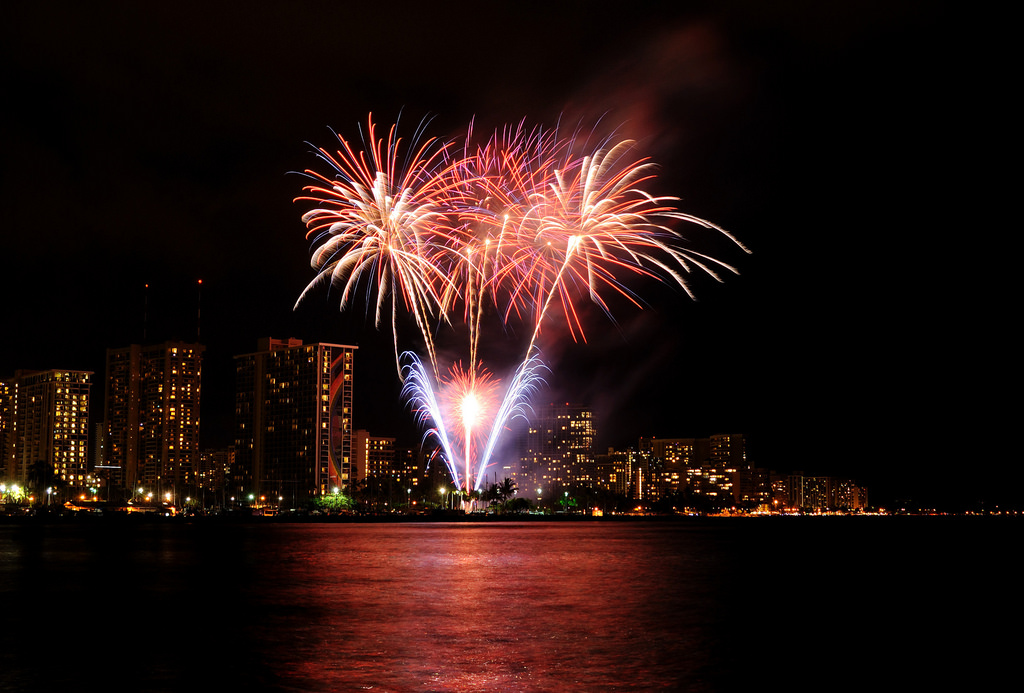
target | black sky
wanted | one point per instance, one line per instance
(153, 145)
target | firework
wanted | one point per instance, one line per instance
(470, 401)
(517, 224)
(419, 392)
(377, 220)
(494, 188)
(468, 412)
(515, 404)
(593, 224)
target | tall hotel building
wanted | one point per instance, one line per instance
(375, 456)
(44, 417)
(151, 414)
(716, 467)
(557, 449)
(293, 420)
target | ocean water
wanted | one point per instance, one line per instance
(689, 605)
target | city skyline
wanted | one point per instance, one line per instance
(294, 440)
(149, 149)
(155, 390)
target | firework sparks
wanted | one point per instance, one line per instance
(374, 219)
(468, 412)
(469, 396)
(418, 391)
(515, 404)
(519, 223)
(593, 223)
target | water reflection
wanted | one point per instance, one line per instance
(604, 606)
(483, 607)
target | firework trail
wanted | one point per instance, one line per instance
(594, 221)
(511, 225)
(467, 404)
(494, 190)
(420, 394)
(469, 398)
(376, 219)
(515, 404)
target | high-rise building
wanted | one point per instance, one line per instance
(151, 412)
(409, 466)
(848, 494)
(715, 467)
(558, 449)
(374, 456)
(627, 473)
(817, 493)
(44, 427)
(293, 419)
(213, 474)
(672, 457)
(388, 474)
(729, 459)
(798, 492)
(755, 487)
(8, 406)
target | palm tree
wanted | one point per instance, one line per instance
(506, 489)
(503, 492)
(490, 495)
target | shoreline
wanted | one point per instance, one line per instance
(128, 519)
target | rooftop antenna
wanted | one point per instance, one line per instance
(199, 307)
(145, 311)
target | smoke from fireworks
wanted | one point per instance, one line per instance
(520, 223)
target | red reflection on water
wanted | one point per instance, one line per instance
(478, 608)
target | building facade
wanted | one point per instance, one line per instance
(213, 475)
(557, 450)
(151, 417)
(293, 420)
(374, 456)
(801, 493)
(628, 473)
(44, 427)
(671, 460)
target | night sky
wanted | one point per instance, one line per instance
(154, 145)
